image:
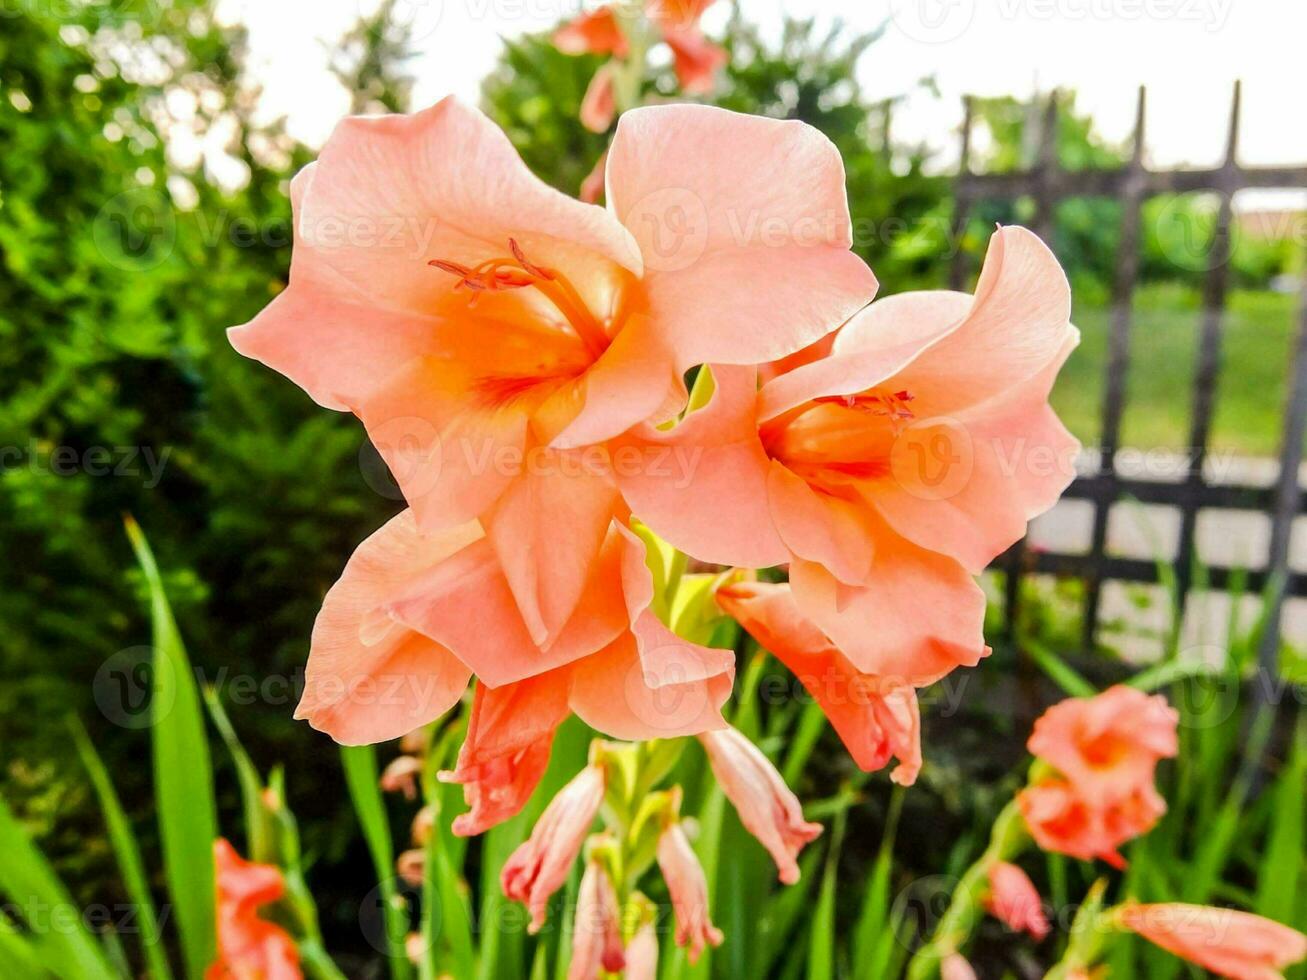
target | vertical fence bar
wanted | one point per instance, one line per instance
(1118, 362)
(1209, 358)
(957, 269)
(1288, 495)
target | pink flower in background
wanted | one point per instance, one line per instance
(1229, 943)
(765, 804)
(876, 719)
(596, 32)
(1063, 821)
(493, 333)
(689, 891)
(1014, 900)
(249, 947)
(954, 966)
(890, 471)
(1107, 746)
(401, 776)
(599, 105)
(597, 930)
(541, 864)
(1105, 751)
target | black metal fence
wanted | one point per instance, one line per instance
(1046, 185)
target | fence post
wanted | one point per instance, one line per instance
(1118, 362)
(1209, 359)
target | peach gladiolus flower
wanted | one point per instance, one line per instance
(249, 948)
(597, 930)
(1107, 746)
(540, 865)
(414, 616)
(689, 891)
(954, 966)
(642, 954)
(1063, 821)
(875, 719)
(1229, 943)
(888, 472)
(493, 333)
(1014, 900)
(767, 807)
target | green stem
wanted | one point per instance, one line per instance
(1008, 838)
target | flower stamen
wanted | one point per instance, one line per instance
(519, 272)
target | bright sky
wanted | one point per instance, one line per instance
(1188, 52)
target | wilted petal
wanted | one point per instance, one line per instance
(767, 807)
(541, 864)
(689, 892)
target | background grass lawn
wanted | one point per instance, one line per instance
(1258, 333)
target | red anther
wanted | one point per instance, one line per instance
(903, 396)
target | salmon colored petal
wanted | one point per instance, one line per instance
(876, 721)
(451, 456)
(744, 228)
(813, 352)
(702, 485)
(820, 528)
(465, 603)
(695, 59)
(884, 342)
(507, 748)
(455, 189)
(243, 885)
(635, 378)
(547, 530)
(1107, 746)
(326, 335)
(369, 678)
(918, 617)
(632, 694)
(1019, 322)
(967, 485)
(597, 32)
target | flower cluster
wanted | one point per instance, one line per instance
(518, 358)
(1095, 788)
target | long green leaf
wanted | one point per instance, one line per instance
(127, 853)
(1281, 869)
(183, 776)
(61, 942)
(360, 764)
